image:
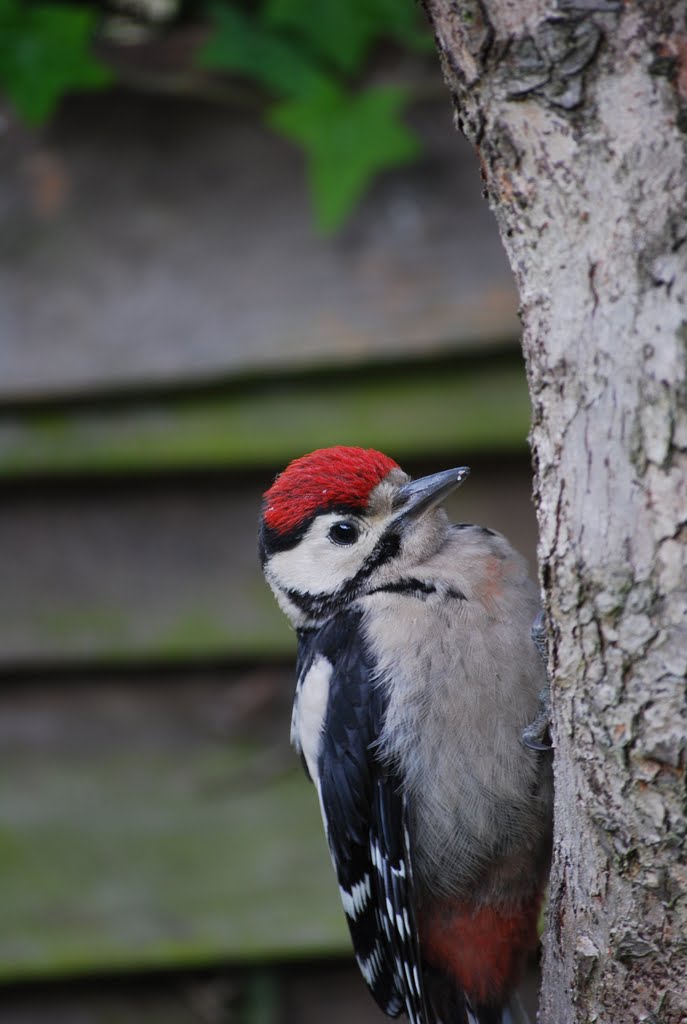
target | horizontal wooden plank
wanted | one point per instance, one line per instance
(412, 411)
(148, 240)
(118, 573)
(157, 823)
(112, 574)
(309, 993)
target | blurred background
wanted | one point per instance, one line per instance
(229, 234)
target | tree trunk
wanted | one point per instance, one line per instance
(579, 112)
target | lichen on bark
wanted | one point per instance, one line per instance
(578, 114)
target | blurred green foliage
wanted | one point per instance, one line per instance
(348, 137)
(308, 59)
(45, 52)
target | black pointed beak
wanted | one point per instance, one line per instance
(419, 496)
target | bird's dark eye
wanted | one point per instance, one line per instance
(344, 532)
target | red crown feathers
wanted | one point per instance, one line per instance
(323, 479)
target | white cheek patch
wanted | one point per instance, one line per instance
(309, 712)
(316, 565)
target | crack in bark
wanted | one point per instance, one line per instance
(550, 63)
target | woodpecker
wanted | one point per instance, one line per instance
(417, 683)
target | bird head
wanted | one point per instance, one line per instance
(337, 521)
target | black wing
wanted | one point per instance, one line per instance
(364, 815)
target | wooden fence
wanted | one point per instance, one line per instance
(173, 334)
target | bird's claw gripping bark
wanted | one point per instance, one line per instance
(537, 736)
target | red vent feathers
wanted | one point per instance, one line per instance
(321, 480)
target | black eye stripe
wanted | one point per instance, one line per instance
(344, 532)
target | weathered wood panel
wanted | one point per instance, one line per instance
(319, 992)
(146, 239)
(116, 574)
(170, 572)
(151, 823)
(408, 410)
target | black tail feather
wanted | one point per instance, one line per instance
(451, 1006)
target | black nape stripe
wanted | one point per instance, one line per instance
(411, 585)
(312, 605)
(406, 586)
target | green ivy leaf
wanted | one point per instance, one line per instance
(341, 34)
(242, 45)
(348, 138)
(44, 53)
(299, 53)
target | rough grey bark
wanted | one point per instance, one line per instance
(579, 113)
